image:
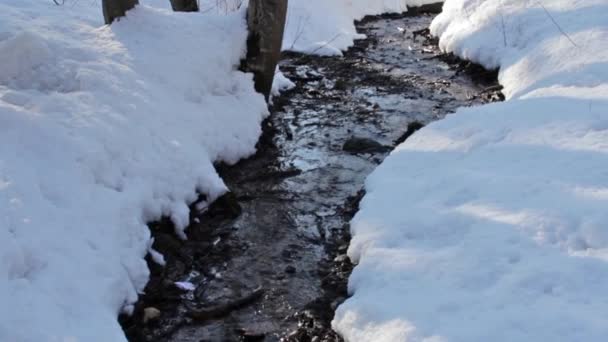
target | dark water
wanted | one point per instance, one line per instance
(298, 193)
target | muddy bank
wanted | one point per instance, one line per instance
(268, 263)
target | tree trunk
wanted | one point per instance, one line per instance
(266, 21)
(114, 9)
(184, 5)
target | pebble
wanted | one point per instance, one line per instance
(151, 314)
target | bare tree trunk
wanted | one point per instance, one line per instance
(184, 5)
(114, 9)
(266, 21)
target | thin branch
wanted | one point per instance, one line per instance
(502, 23)
(325, 44)
(556, 24)
(299, 30)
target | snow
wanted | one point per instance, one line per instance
(486, 226)
(185, 286)
(326, 27)
(280, 83)
(490, 225)
(103, 129)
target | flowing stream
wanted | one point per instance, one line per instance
(268, 263)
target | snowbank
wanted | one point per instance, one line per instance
(101, 130)
(326, 27)
(490, 225)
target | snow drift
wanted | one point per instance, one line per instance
(490, 225)
(103, 129)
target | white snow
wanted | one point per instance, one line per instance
(280, 83)
(491, 225)
(103, 129)
(321, 27)
(326, 27)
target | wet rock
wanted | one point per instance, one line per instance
(432, 8)
(412, 127)
(299, 335)
(226, 205)
(150, 315)
(250, 336)
(167, 244)
(174, 273)
(273, 175)
(364, 145)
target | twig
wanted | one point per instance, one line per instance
(556, 24)
(502, 22)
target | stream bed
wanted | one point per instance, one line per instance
(267, 262)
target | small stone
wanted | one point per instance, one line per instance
(290, 269)
(151, 314)
(412, 127)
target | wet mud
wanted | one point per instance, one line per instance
(267, 262)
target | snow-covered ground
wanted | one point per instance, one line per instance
(326, 27)
(491, 225)
(322, 27)
(101, 130)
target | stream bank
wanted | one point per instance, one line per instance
(268, 261)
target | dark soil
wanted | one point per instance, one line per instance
(268, 261)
